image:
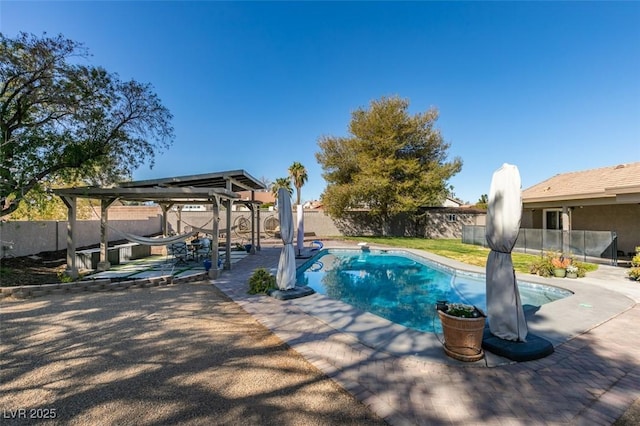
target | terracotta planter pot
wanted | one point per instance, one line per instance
(462, 337)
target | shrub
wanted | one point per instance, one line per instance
(547, 263)
(560, 262)
(634, 273)
(636, 259)
(542, 266)
(582, 268)
(261, 281)
(64, 278)
(463, 311)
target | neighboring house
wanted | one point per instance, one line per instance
(604, 199)
(447, 222)
(191, 208)
(265, 197)
(452, 202)
(313, 204)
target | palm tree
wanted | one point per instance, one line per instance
(298, 174)
(483, 202)
(281, 183)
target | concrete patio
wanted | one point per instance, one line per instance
(136, 362)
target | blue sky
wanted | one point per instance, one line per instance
(551, 87)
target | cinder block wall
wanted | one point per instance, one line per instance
(32, 237)
(35, 237)
(315, 221)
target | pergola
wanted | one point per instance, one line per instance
(217, 189)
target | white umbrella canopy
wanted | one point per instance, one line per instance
(286, 275)
(504, 308)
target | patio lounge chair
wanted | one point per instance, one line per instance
(179, 252)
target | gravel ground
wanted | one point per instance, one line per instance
(182, 354)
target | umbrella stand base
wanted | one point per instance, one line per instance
(294, 293)
(534, 348)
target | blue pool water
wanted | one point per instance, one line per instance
(402, 287)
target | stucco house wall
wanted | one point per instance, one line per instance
(624, 220)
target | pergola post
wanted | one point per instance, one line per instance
(252, 207)
(227, 244)
(179, 220)
(104, 264)
(258, 228)
(165, 218)
(214, 272)
(253, 228)
(566, 227)
(72, 210)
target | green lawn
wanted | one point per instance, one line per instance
(455, 249)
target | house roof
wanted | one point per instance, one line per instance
(614, 184)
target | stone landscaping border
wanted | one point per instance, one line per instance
(97, 285)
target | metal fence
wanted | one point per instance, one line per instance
(589, 245)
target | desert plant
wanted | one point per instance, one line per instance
(545, 265)
(634, 273)
(463, 311)
(542, 266)
(63, 277)
(261, 281)
(560, 261)
(582, 268)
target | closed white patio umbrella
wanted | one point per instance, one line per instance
(504, 308)
(286, 275)
(300, 234)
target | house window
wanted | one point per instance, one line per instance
(552, 219)
(452, 217)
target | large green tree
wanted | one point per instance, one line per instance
(40, 204)
(298, 174)
(391, 162)
(63, 120)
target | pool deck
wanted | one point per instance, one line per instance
(404, 376)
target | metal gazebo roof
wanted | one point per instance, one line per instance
(234, 180)
(190, 188)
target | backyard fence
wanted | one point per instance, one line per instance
(589, 245)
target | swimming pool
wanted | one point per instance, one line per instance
(402, 287)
